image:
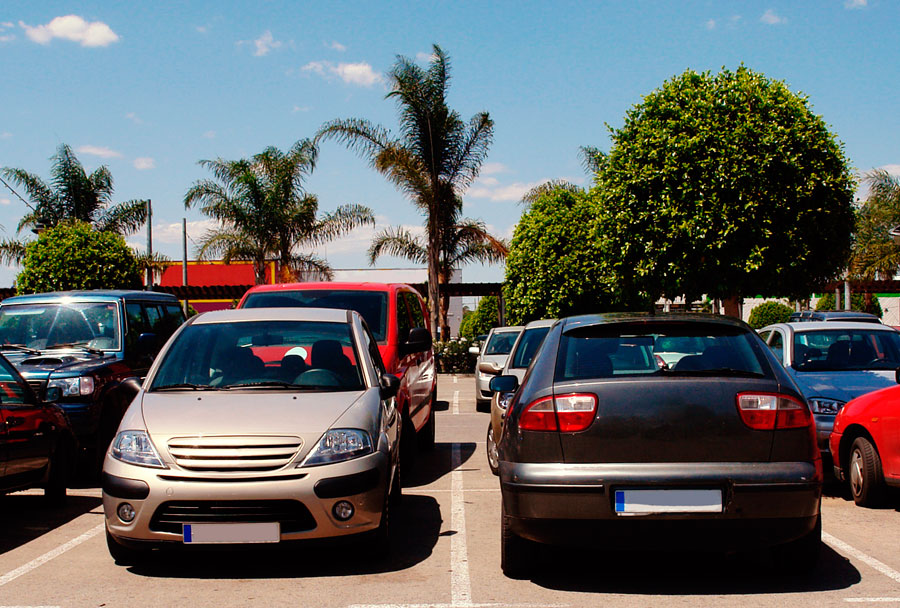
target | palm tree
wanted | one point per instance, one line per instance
(591, 159)
(264, 213)
(435, 158)
(72, 194)
(874, 251)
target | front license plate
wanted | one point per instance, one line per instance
(642, 502)
(197, 534)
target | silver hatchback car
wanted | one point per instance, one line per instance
(256, 426)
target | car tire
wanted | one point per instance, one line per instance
(515, 551)
(482, 405)
(380, 540)
(407, 445)
(122, 555)
(397, 487)
(426, 435)
(865, 473)
(58, 476)
(800, 556)
(493, 456)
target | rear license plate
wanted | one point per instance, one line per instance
(265, 532)
(643, 502)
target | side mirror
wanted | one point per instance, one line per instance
(148, 344)
(474, 350)
(390, 384)
(504, 384)
(419, 340)
(489, 367)
(132, 385)
(52, 394)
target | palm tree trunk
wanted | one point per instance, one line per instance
(433, 277)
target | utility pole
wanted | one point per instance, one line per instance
(149, 245)
(184, 278)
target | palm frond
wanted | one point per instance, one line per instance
(398, 242)
(472, 151)
(310, 268)
(360, 136)
(591, 159)
(339, 222)
(123, 218)
(12, 252)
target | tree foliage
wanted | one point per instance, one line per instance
(264, 212)
(485, 317)
(724, 184)
(435, 158)
(874, 252)
(769, 313)
(72, 255)
(859, 302)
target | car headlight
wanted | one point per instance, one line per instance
(73, 387)
(821, 405)
(504, 399)
(135, 447)
(338, 445)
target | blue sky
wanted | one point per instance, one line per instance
(149, 89)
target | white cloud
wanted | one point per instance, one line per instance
(4, 201)
(336, 46)
(851, 4)
(497, 193)
(74, 28)
(265, 43)
(100, 151)
(144, 163)
(493, 168)
(711, 24)
(134, 118)
(771, 18)
(425, 57)
(5, 135)
(360, 74)
(202, 29)
(892, 169)
(210, 134)
(170, 233)
(357, 242)
(7, 25)
(7, 38)
(488, 181)
(301, 109)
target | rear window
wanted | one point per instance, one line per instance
(846, 350)
(501, 343)
(372, 305)
(607, 351)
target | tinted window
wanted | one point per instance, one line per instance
(415, 308)
(501, 343)
(11, 390)
(372, 305)
(403, 325)
(316, 355)
(776, 343)
(93, 324)
(842, 350)
(528, 346)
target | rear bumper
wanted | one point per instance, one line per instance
(763, 504)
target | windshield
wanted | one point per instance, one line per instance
(658, 348)
(261, 354)
(57, 325)
(501, 343)
(528, 345)
(372, 305)
(846, 350)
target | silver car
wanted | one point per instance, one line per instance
(493, 352)
(256, 426)
(834, 362)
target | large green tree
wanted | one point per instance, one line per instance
(875, 254)
(71, 194)
(264, 212)
(724, 184)
(72, 255)
(435, 158)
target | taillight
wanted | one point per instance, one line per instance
(566, 413)
(770, 411)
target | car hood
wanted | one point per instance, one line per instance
(40, 366)
(500, 360)
(842, 386)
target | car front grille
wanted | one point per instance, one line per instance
(291, 514)
(233, 453)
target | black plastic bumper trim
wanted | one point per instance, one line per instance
(347, 485)
(121, 487)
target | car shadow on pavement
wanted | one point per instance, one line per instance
(435, 464)
(441, 406)
(657, 573)
(416, 526)
(24, 517)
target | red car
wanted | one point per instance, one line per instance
(866, 445)
(398, 319)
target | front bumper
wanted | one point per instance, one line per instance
(764, 504)
(300, 499)
(824, 426)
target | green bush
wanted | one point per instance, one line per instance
(485, 317)
(452, 357)
(72, 255)
(768, 313)
(857, 303)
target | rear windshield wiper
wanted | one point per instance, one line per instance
(21, 347)
(82, 345)
(185, 385)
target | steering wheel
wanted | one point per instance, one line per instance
(319, 377)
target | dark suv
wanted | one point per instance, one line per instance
(90, 345)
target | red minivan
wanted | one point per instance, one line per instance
(398, 319)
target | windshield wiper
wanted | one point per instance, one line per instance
(82, 345)
(267, 383)
(184, 385)
(21, 347)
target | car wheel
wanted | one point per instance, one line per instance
(122, 555)
(426, 435)
(514, 550)
(58, 477)
(800, 556)
(407, 445)
(380, 540)
(493, 457)
(866, 477)
(397, 487)
(482, 405)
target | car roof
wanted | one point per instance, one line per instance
(807, 326)
(834, 315)
(92, 295)
(540, 323)
(328, 315)
(352, 286)
(572, 323)
(507, 329)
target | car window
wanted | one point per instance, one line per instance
(528, 346)
(501, 343)
(136, 325)
(846, 350)
(403, 325)
(12, 392)
(372, 347)
(174, 317)
(314, 355)
(154, 317)
(93, 324)
(776, 343)
(415, 309)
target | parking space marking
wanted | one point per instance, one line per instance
(843, 547)
(455, 410)
(455, 380)
(460, 584)
(860, 600)
(46, 557)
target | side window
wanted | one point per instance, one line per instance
(11, 391)
(402, 319)
(372, 346)
(174, 317)
(154, 317)
(776, 343)
(765, 335)
(136, 323)
(418, 317)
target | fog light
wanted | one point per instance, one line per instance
(126, 512)
(343, 510)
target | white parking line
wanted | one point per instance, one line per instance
(843, 547)
(460, 584)
(860, 600)
(455, 379)
(455, 410)
(46, 557)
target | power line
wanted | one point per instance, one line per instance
(10, 188)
